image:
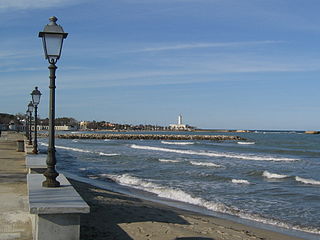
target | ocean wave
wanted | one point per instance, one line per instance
(307, 181)
(166, 192)
(73, 149)
(246, 143)
(83, 150)
(216, 154)
(177, 143)
(207, 164)
(179, 195)
(240, 181)
(108, 154)
(273, 175)
(169, 160)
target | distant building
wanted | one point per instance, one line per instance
(65, 128)
(57, 128)
(83, 125)
(180, 126)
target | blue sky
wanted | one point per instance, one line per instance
(235, 64)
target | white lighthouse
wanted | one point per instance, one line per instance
(179, 126)
(180, 119)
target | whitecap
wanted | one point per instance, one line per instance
(207, 164)
(182, 196)
(86, 151)
(108, 154)
(307, 181)
(240, 181)
(74, 149)
(177, 143)
(246, 143)
(216, 154)
(273, 175)
(169, 160)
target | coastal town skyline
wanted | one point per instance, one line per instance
(222, 64)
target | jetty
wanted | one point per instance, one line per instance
(150, 137)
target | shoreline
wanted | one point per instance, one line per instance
(120, 216)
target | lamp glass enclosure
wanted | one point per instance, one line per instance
(52, 45)
(52, 39)
(30, 107)
(36, 94)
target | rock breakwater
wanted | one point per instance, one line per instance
(149, 137)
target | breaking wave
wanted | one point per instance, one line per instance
(177, 143)
(307, 181)
(240, 181)
(217, 154)
(179, 195)
(273, 175)
(207, 164)
(169, 160)
(246, 143)
(83, 150)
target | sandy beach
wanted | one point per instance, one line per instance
(118, 216)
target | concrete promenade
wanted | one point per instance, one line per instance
(15, 221)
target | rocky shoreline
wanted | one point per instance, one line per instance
(149, 137)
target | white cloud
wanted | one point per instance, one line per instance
(205, 45)
(33, 4)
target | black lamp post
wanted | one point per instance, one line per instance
(52, 39)
(30, 110)
(36, 94)
(27, 124)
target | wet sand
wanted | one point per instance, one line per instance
(118, 216)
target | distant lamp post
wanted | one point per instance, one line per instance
(30, 110)
(52, 39)
(36, 95)
(27, 124)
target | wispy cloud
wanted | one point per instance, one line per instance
(205, 45)
(33, 4)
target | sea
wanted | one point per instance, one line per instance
(271, 179)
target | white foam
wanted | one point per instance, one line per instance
(179, 195)
(82, 169)
(75, 140)
(240, 181)
(177, 143)
(169, 160)
(207, 164)
(84, 151)
(74, 149)
(246, 143)
(165, 192)
(307, 181)
(108, 154)
(216, 154)
(273, 175)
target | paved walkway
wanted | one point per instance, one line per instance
(15, 221)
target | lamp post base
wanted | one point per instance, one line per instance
(51, 179)
(50, 183)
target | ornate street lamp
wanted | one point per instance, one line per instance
(30, 110)
(27, 124)
(36, 94)
(52, 39)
